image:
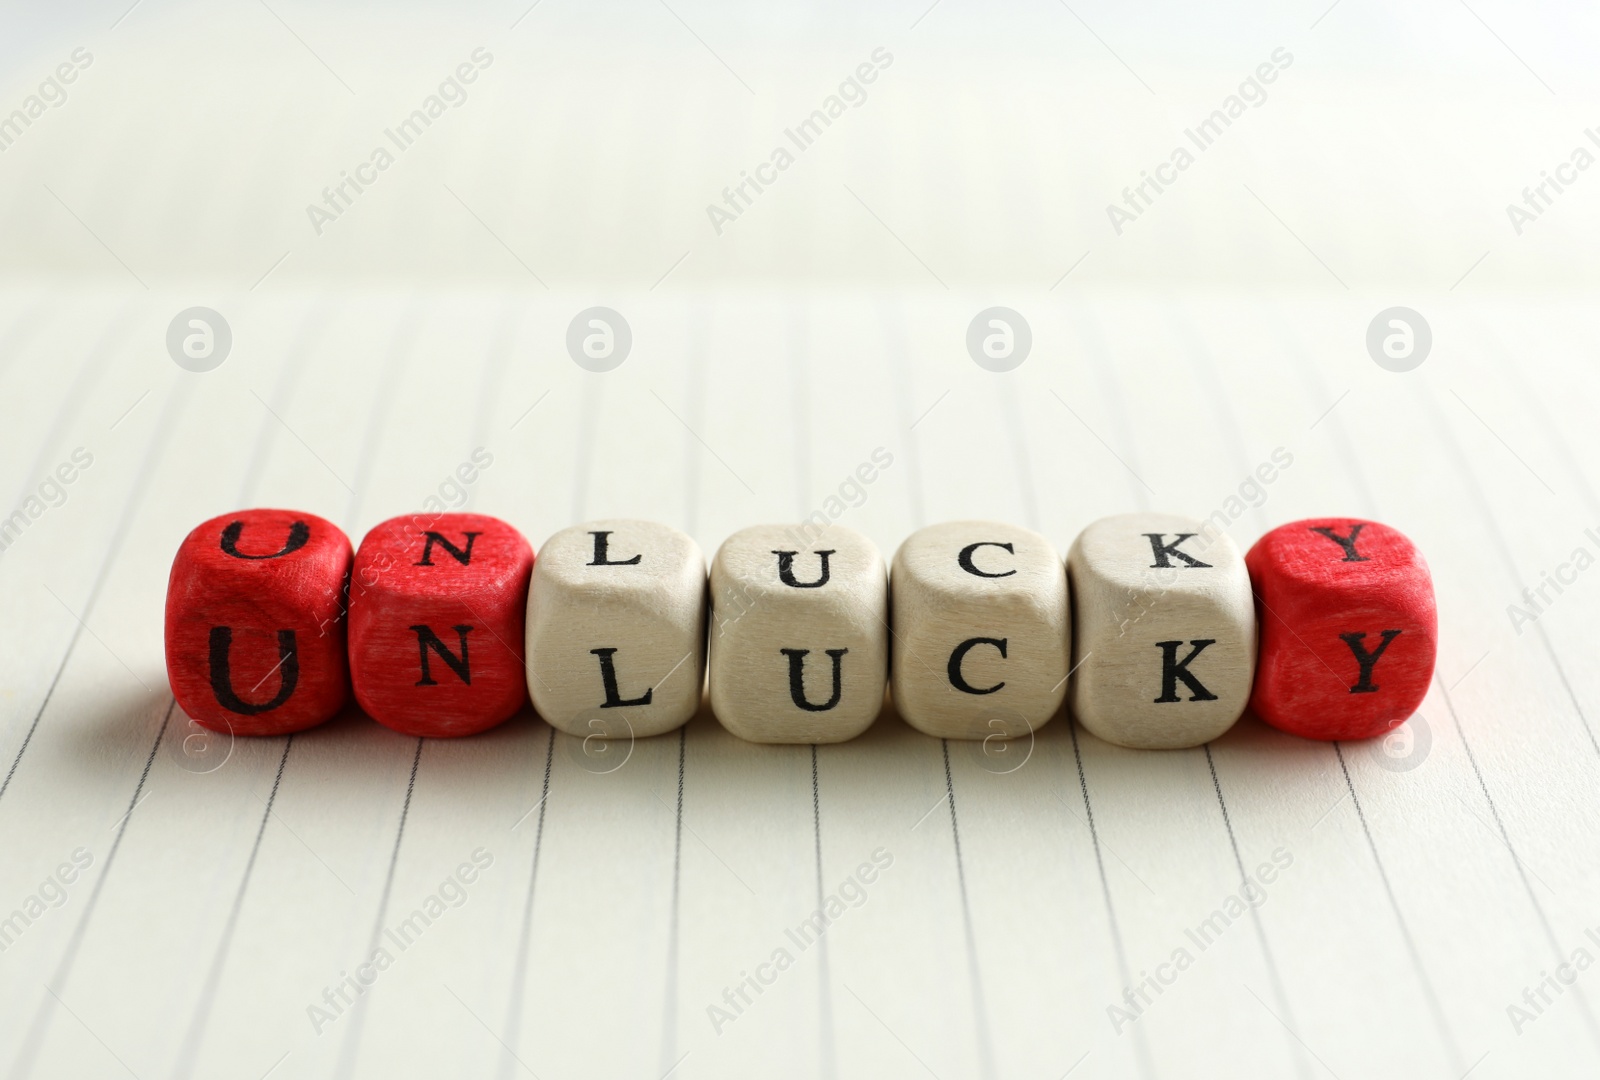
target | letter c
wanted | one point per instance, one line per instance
(965, 559)
(958, 680)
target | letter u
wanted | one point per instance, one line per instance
(786, 570)
(797, 680)
(288, 668)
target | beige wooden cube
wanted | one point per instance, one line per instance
(1164, 629)
(799, 634)
(982, 629)
(616, 629)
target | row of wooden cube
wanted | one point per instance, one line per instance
(1158, 628)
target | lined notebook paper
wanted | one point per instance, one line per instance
(1262, 906)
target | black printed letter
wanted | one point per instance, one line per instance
(608, 670)
(222, 684)
(786, 569)
(797, 681)
(1346, 542)
(965, 558)
(460, 555)
(427, 639)
(1163, 552)
(299, 533)
(1173, 669)
(602, 541)
(958, 680)
(1366, 659)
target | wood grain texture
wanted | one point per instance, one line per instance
(1349, 627)
(982, 630)
(437, 603)
(799, 634)
(1164, 634)
(617, 615)
(255, 632)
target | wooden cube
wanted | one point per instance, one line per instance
(616, 639)
(799, 635)
(1164, 631)
(982, 630)
(255, 633)
(437, 604)
(1349, 628)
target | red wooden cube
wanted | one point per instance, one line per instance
(1349, 629)
(255, 634)
(437, 606)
